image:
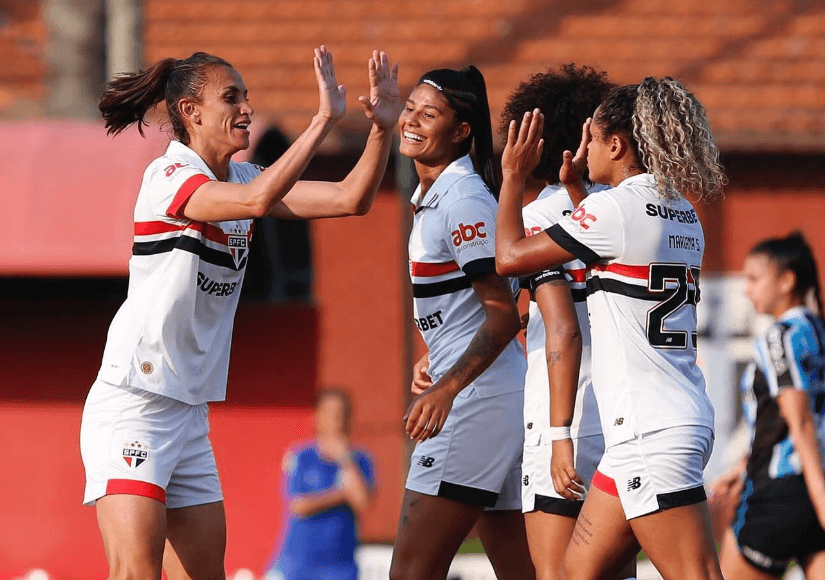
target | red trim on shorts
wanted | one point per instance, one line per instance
(184, 193)
(134, 487)
(604, 483)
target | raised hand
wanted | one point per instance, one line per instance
(332, 96)
(573, 167)
(524, 144)
(384, 105)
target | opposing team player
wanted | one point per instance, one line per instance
(781, 512)
(563, 440)
(144, 435)
(466, 467)
(643, 245)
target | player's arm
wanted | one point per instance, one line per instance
(428, 412)
(219, 201)
(355, 194)
(516, 254)
(794, 408)
(308, 504)
(563, 349)
(357, 490)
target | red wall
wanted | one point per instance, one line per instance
(355, 336)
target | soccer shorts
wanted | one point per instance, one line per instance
(537, 491)
(658, 470)
(476, 458)
(140, 443)
(776, 522)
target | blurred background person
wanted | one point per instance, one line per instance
(330, 484)
(780, 482)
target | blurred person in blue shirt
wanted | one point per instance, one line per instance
(329, 485)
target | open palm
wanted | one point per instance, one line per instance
(332, 96)
(384, 103)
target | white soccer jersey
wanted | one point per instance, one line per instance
(552, 204)
(172, 335)
(453, 240)
(644, 255)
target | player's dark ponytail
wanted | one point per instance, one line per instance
(793, 253)
(466, 92)
(129, 96)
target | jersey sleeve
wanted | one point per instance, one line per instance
(171, 186)
(292, 472)
(531, 283)
(594, 232)
(470, 226)
(366, 467)
(537, 216)
(779, 362)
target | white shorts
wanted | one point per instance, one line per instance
(476, 458)
(537, 491)
(140, 443)
(658, 470)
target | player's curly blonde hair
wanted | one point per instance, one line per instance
(675, 140)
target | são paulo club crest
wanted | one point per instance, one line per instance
(238, 247)
(134, 454)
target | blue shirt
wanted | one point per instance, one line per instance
(328, 538)
(790, 354)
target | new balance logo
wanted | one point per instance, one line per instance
(619, 421)
(426, 461)
(634, 483)
(526, 480)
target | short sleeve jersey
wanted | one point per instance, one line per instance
(453, 241)
(552, 204)
(790, 354)
(327, 538)
(172, 334)
(644, 255)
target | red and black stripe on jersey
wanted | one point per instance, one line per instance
(188, 243)
(471, 271)
(598, 283)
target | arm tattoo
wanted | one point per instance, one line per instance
(553, 357)
(487, 343)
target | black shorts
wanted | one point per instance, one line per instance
(776, 522)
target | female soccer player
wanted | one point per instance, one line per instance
(781, 512)
(556, 465)
(642, 242)
(467, 420)
(149, 463)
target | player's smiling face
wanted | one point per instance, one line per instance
(430, 133)
(225, 112)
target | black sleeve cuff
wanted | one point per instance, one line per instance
(559, 235)
(478, 267)
(531, 283)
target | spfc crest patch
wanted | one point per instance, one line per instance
(238, 247)
(134, 454)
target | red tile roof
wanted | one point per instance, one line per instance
(757, 66)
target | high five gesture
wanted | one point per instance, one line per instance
(383, 106)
